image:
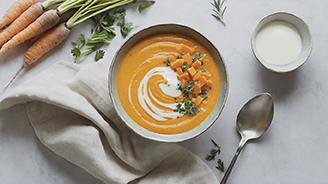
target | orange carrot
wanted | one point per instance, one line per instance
(25, 19)
(46, 21)
(48, 41)
(15, 11)
(52, 38)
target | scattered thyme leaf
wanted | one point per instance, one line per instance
(211, 156)
(218, 11)
(220, 165)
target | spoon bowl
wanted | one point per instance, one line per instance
(253, 121)
(255, 117)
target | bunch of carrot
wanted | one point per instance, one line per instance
(27, 19)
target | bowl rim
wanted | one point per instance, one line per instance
(178, 139)
(258, 28)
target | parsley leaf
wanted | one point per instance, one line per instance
(99, 55)
(103, 33)
(143, 6)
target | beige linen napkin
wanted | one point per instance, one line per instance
(70, 110)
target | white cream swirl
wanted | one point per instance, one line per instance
(146, 98)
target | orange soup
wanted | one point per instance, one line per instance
(168, 83)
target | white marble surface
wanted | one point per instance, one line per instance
(292, 151)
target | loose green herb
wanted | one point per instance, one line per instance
(220, 165)
(218, 12)
(216, 151)
(103, 33)
(99, 54)
(125, 27)
(145, 5)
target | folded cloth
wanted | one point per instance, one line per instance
(70, 110)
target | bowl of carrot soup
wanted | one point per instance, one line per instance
(168, 83)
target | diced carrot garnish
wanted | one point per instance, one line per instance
(202, 81)
(197, 76)
(191, 71)
(197, 88)
(185, 49)
(198, 101)
(207, 75)
(197, 64)
(184, 75)
(179, 70)
(177, 63)
(184, 83)
(209, 83)
(187, 58)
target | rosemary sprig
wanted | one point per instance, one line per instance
(218, 12)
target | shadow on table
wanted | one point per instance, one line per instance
(279, 85)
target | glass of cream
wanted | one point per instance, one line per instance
(282, 42)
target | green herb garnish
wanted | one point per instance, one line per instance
(145, 5)
(216, 151)
(103, 33)
(196, 57)
(188, 89)
(168, 62)
(185, 66)
(187, 107)
(204, 93)
(124, 27)
(99, 54)
(218, 12)
(220, 165)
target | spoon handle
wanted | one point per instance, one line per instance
(233, 161)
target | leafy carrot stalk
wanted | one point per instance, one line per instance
(56, 35)
(21, 22)
(15, 11)
(46, 43)
(25, 19)
(43, 45)
(44, 22)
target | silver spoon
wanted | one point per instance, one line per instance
(252, 122)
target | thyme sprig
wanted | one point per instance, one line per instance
(216, 151)
(218, 12)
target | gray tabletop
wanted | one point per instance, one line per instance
(292, 151)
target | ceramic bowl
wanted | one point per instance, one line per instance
(162, 28)
(306, 41)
